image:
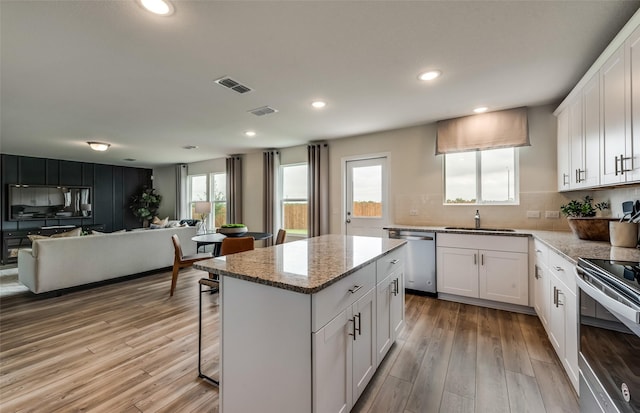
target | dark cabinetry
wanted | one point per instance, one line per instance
(113, 186)
(13, 241)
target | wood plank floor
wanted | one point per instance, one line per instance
(128, 347)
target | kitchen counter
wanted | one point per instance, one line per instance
(305, 266)
(565, 243)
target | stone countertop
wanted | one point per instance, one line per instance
(562, 242)
(305, 266)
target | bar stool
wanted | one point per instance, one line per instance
(213, 286)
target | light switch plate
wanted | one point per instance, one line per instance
(413, 212)
(533, 214)
(552, 214)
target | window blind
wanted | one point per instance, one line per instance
(493, 130)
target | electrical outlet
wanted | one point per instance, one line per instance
(533, 214)
(552, 214)
(413, 212)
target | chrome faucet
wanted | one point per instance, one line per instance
(477, 218)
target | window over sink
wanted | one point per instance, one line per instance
(481, 177)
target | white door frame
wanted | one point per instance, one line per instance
(343, 180)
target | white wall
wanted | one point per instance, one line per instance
(416, 181)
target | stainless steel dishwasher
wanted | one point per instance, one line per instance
(420, 267)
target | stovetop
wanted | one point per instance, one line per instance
(621, 275)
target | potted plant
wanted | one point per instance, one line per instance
(145, 205)
(581, 216)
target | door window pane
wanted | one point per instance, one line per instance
(367, 191)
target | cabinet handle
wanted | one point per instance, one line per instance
(395, 287)
(354, 289)
(555, 296)
(475, 259)
(353, 320)
(558, 302)
(481, 259)
(359, 328)
(565, 178)
(622, 159)
(535, 274)
(539, 251)
(616, 162)
(395, 261)
(558, 268)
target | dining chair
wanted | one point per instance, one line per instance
(183, 261)
(232, 245)
(282, 234)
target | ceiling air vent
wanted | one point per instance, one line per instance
(264, 110)
(233, 85)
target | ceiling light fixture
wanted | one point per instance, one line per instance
(159, 7)
(250, 133)
(318, 104)
(430, 75)
(189, 147)
(481, 109)
(99, 146)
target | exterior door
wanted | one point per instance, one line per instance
(366, 197)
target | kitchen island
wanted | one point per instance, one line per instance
(305, 324)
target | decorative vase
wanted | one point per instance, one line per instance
(590, 228)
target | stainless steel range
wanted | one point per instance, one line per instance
(609, 335)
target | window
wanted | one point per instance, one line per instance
(212, 188)
(294, 199)
(481, 177)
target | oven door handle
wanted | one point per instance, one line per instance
(607, 302)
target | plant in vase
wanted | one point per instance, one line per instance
(145, 205)
(581, 216)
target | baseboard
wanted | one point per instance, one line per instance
(515, 308)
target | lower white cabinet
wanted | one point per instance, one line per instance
(481, 266)
(390, 312)
(345, 356)
(542, 293)
(563, 315)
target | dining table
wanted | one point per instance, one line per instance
(215, 239)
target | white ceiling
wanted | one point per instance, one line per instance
(74, 71)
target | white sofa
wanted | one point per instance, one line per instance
(57, 263)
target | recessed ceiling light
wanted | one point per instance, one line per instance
(318, 104)
(159, 7)
(481, 109)
(129, 159)
(430, 75)
(190, 147)
(250, 133)
(99, 146)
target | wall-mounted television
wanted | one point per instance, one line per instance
(37, 202)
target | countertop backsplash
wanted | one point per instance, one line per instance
(427, 209)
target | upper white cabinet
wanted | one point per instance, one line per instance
(614, 160)
(598, 135)
(564, 174)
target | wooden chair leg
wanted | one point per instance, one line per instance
(174, 278)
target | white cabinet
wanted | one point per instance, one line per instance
(613, 161)
(390, 312)
(563, 314)
(344, 356)
(564, 174)
(481, 266)
(503, 277)
(599, 125)
(541, 283)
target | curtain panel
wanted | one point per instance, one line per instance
(182, 208)
(271, 166)
(318, 207)
(234, 189)
(501, 129)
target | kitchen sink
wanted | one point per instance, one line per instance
(482, 229)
